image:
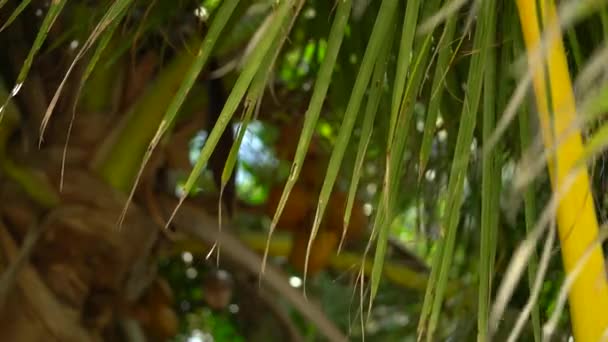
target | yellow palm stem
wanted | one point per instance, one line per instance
(576, 218)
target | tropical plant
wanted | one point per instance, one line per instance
(407, 157)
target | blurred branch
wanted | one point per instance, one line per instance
(9, 275)
(277, 310)
(133, 330)
(402, 275)
(20, 259)
(194, 222)
(60, 323)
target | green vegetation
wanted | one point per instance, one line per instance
(385, 170)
